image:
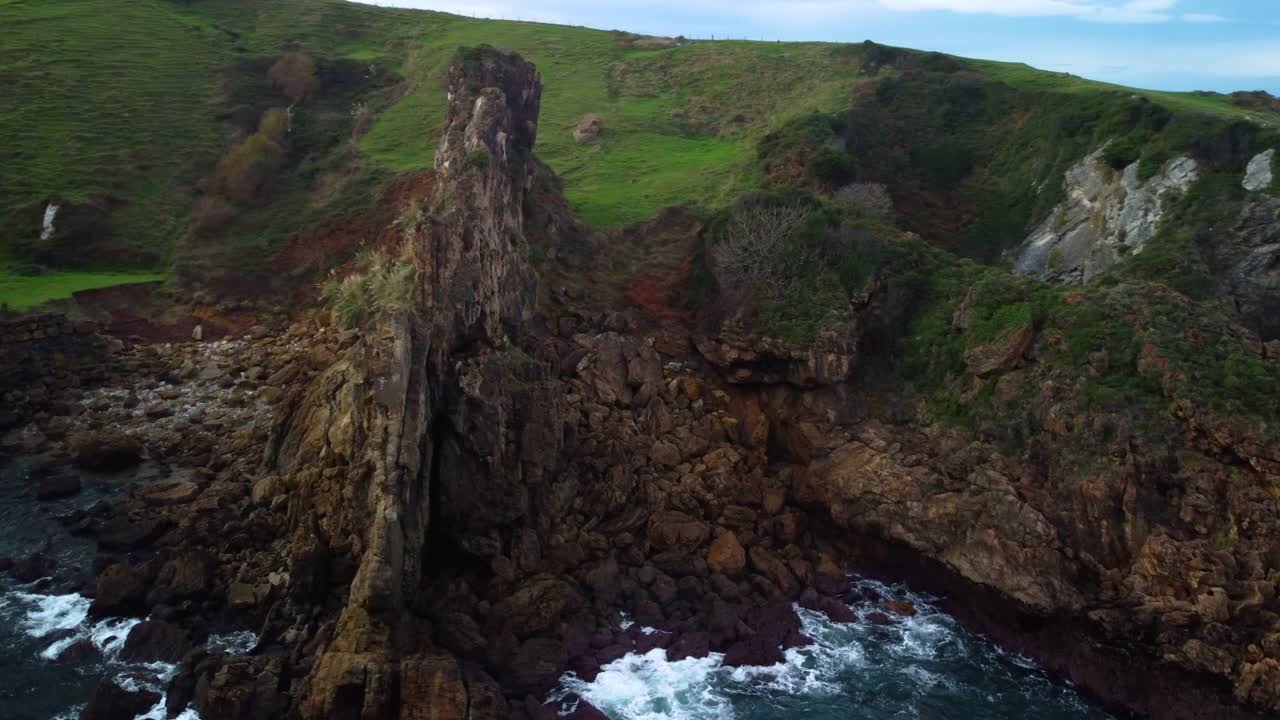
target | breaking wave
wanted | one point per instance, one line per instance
(885, 665)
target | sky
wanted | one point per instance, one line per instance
(1221, 45)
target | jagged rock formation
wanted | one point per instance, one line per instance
(421, 428)
(748, 358)
(1105, 216)
(1247, 264)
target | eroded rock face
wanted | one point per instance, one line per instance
(746, 358)
(1260, 171)
(1161, 556)
(1105, 216)
(435, 421)
(1247, 264)
(974, 522)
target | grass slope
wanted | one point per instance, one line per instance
(125, 107)
(106, 104)
(18, 292)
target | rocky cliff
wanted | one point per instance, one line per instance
(1106, 215)
(1109, 215)
(454, 502)
(434, 434)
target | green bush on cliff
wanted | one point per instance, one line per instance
(380, 283)
(795, 284)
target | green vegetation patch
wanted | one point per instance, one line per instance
(23, 292)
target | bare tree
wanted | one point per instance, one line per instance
(755, 253)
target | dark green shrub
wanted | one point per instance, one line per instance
(832, 167)
(1122, 152)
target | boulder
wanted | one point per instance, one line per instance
(107, 451)
(537, 664)
(268, 489)
(155, 641)
(674, 529)
(57, 485)
(773, 568)
(1004, 353)
(589, 129)
(121, 590)
(32, 568)
(185, 576)
(1259, 174)
(665, 454)
(170, 493)
(536, 604)
(112, 702)
(80, 652)
(726, 555)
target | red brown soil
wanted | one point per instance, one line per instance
(335, 243)
(131, 313)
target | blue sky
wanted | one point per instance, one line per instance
(1219, 45)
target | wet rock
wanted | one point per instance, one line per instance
(155, 641)
(835, 610)
(186, 576)
(121, 590)
(537, 665)
(695, 644)
(107, 451)
(111, 702)
(80, 652)
(123, 533)
(773, 568)
(32, 568)
(774, 630)
(58, 485)
(905, 608)
(582, 710)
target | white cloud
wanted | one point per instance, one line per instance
(1126, 11)
(796, 12)
(1203, 18)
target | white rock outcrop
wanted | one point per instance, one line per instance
(1259, 174)
(1105, 216)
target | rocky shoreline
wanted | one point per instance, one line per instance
(439, 514)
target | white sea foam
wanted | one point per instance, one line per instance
(236, 643)
(899, 670)
(650, 687)
(52, 613)
(69, 714)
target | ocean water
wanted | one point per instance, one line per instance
(925, 667)
(39, 621)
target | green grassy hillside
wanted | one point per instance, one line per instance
(121, 112)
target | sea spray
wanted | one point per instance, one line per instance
(923, 666)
